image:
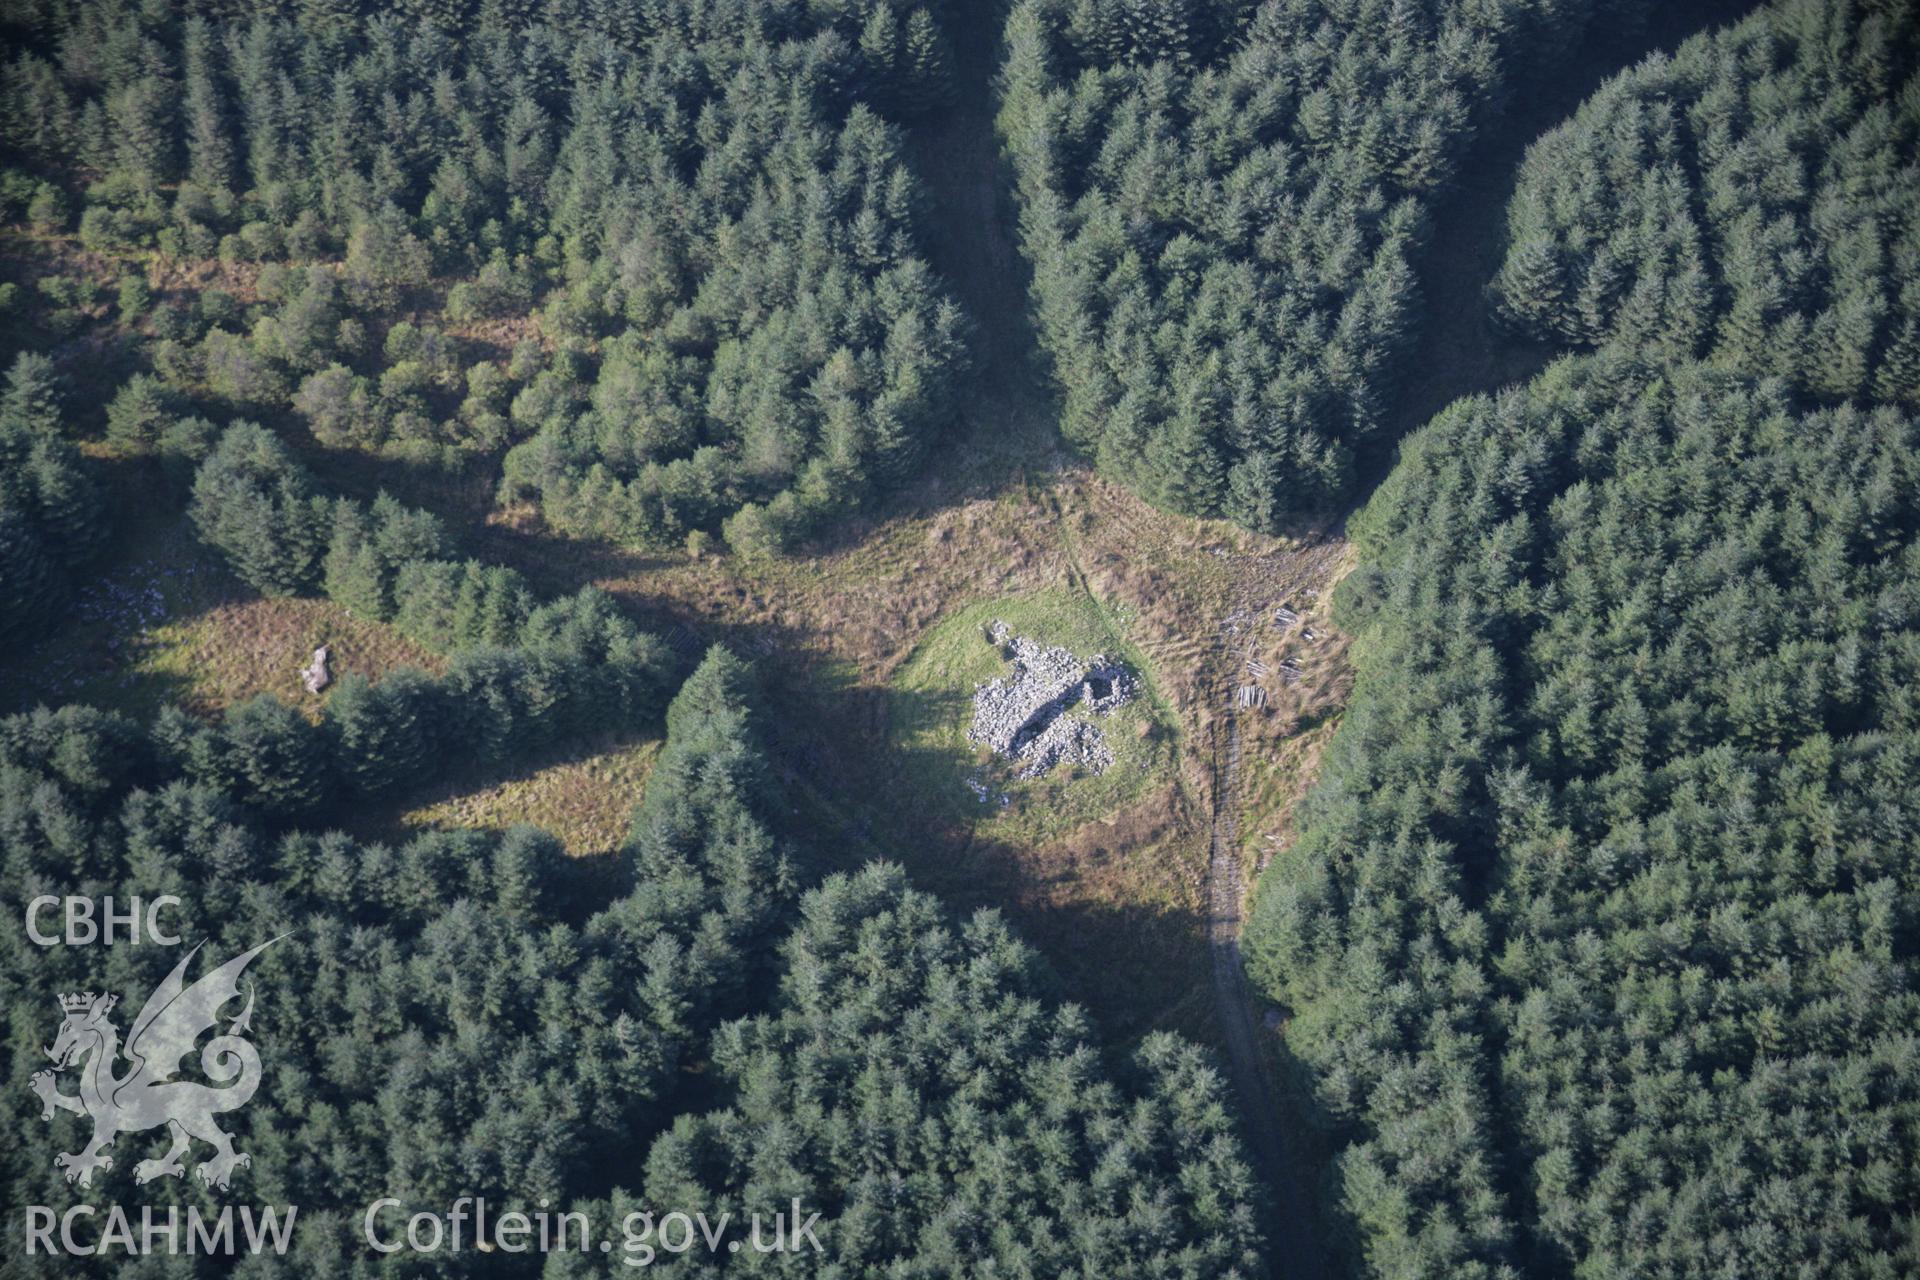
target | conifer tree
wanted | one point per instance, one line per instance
(32, 586)
(32, 399)
(384, 734)
(140, 413)
(256, 506)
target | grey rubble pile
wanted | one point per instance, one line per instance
(1024, 716)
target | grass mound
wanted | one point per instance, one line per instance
(951, 780)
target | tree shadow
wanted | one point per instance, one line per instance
(154, 574)
(1137, 967)
(557, 563)
(868, 786)
(458, 489)
(925, 759)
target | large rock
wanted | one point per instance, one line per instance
(316, 675)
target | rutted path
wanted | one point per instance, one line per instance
(1291, 1232)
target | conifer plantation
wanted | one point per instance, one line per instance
(53, 520)
(472, 1017)
(450, 1016)
(504, 499)
(700, 210)
(1222, 204)
(1597, 926)
(1749, 200)
(1598, 929)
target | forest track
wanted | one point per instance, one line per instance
(1290, 1232)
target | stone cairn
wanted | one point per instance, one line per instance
(1025, 716)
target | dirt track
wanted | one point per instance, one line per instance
(1291, 1231)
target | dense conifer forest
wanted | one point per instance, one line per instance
(53, 520)
(1222, 204)
(460, 1017)
(473, 1017)
(1598, 929)
(581, 369)
(700, 208)
(1748, 201)
(1597, 926)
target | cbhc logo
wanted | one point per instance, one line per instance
(87, 922)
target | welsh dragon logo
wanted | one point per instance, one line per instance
(147, 1096)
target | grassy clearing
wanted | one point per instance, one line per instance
(1282, 741)
(248, 647)
(870, 646)
(932, 709)
(586, 802)
(1273, 780)
(168, 624)
(1117, 908)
